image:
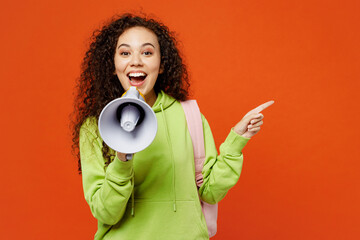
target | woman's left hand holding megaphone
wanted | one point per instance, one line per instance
(121, 156)
(251, 122)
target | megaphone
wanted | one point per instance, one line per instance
(128, 124)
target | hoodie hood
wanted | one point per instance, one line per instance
(164, 100)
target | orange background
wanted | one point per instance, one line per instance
(301, 172)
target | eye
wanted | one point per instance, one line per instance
(147, 53)
(124, 53)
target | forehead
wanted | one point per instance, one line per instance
(137, 36)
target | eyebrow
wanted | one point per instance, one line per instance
(127, 45)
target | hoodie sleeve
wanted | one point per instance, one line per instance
(106, 191)
(220, 172)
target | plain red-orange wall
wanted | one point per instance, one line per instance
(300, 178)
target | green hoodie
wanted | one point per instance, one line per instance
(154, 196)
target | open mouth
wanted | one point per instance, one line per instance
(137, 78)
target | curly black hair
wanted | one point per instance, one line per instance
(98, 85)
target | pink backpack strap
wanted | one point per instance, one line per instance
(194, 124)
(195, 127)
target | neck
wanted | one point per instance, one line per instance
(150, 98)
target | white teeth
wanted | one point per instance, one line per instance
(139, 74)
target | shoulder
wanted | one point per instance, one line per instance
(90, 126)
(192, 107)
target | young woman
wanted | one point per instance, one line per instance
(154, 195)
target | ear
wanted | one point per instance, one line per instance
(161, 70)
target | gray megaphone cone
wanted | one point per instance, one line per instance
(128, 124)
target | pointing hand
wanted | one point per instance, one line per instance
(251, 122)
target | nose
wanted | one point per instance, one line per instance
(136, 60)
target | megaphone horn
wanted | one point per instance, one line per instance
(130, 115)
(128, 124)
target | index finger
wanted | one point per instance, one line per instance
(261, 107)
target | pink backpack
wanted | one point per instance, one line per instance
(194, 123)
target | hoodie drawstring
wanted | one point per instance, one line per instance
(171, 153)
(132, 198)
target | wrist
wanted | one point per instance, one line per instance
(237, 131)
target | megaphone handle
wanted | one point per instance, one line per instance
(129, 156)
